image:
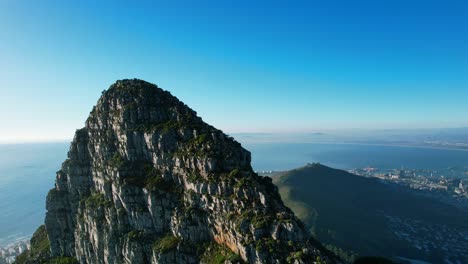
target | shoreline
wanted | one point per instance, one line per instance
(16, 242)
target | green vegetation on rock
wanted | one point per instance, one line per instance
(97, 200)
(116, 161)
(218, 254)
(164, 127)
(146, 176)
(39, 253)
(197, 146)
(40, 242)
(140, 236)
(166, 244)
(261, 221)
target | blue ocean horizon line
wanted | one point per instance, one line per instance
(360, 144)
(287, 156)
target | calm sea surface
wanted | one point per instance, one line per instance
(27, 171)
(284, 156)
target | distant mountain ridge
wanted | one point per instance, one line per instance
(369, 217)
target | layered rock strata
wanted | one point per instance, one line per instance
(147, 181)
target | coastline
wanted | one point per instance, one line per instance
(9, 253)
(16, 241)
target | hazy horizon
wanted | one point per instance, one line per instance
(351, 134)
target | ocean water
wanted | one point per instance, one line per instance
(285, 156)
(27, 171)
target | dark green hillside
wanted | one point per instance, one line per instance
(370, 217)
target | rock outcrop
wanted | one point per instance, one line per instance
(147, 181)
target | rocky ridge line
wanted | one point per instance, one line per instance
(147, 181)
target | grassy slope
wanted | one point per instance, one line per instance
(40, 251)
(347, 210)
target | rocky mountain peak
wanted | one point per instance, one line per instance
(132, 110)
(141, 104)
(147, 181)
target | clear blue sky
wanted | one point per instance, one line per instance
(244, 66)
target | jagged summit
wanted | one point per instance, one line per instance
(148, 98)
(130, 109)
(147, 181)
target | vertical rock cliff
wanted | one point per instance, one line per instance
(147, 181)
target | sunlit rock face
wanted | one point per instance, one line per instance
(147, 181)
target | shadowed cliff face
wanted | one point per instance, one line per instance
(147, 181)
